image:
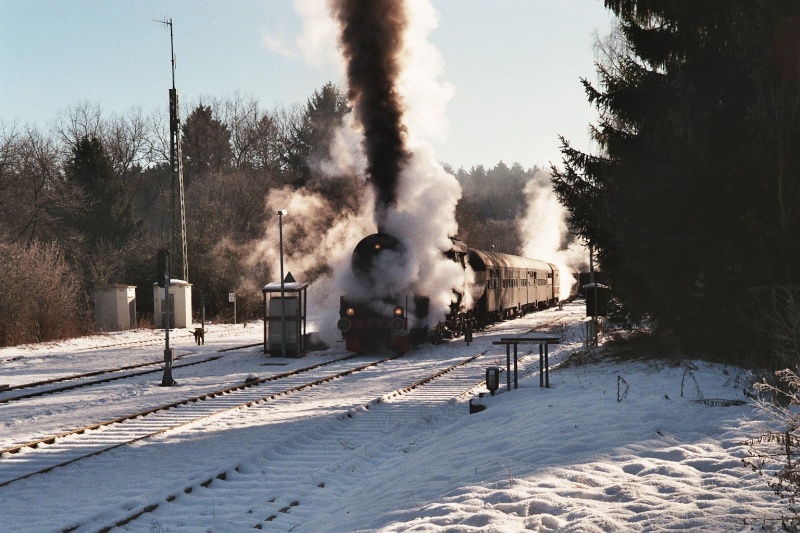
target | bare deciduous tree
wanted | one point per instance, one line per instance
(39, 300)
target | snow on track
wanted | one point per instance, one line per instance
(327, 403)
(318, 451)
(350, 456)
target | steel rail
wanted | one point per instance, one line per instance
(33, 445)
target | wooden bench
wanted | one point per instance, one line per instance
(544, 361)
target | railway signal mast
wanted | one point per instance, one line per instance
(176, 166)
(178, 211)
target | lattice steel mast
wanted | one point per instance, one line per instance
(180, 261)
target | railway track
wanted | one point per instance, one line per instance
(51, 386)
(98, 347)
(22, 461)
(278, 499)
(382, 384)
(54, 385)
(175, 335)
(173, 469)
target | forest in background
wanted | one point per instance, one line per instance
(87, 203)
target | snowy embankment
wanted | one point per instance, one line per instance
(610, 446)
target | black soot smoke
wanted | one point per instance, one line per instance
(372, 40)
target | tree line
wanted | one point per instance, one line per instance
(693, 202)
(88, 203)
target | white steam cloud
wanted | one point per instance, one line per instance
(544, 230)
(423, 217)
(425, 97)
(317, 42)
(318, 242)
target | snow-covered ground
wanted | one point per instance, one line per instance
(610, 446)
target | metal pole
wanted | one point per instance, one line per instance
(546, 366)
(541, 366)
(178, 220)
(305, 312)
(508, 367)
(166, 379)
(594, 285)
(266, 320)
(281, 213)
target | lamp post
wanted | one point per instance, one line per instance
(281, 214)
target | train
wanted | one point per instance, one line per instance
(500, 286)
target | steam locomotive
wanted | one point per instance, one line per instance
(499, 286)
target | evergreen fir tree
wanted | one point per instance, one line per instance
(310, 140)
(682, 203)
(206, 145)
(107, 215)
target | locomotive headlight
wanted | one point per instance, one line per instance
(350, 311)
(377, 247)
(398, 311)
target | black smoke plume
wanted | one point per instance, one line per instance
(372, 41)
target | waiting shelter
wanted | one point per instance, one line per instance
(285, 315)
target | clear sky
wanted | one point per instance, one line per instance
(515, 65)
